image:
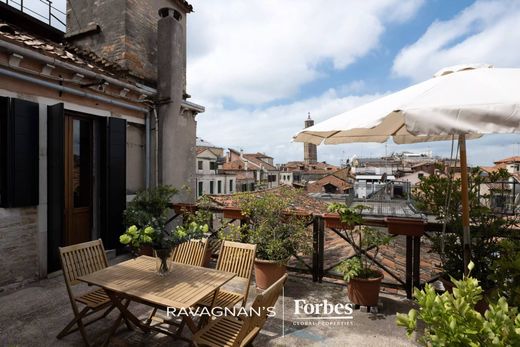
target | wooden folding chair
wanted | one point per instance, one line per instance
(80, 260)
(191, 252)
(228, 331)
(238, 258)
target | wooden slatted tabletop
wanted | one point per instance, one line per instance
(183, 287)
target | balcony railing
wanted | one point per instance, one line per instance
(43, 10)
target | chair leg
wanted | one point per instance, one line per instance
(108, 310)
(73, 322)
(83, 332)
(150, 317)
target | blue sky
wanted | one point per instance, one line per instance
(259, 66)
(356, 52)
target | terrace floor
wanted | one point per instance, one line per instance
(32, 316)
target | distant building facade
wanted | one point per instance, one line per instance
(253, 170)
(211, 180)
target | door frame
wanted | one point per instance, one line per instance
(68, 210)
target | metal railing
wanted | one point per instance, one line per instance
(52, 15)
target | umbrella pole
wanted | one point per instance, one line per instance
(465, 202)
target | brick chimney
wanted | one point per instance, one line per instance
(177, 126)
(122, 31)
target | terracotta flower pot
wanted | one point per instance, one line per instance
(365, 291)
(267, 272)
(405, 226)
(332, 220)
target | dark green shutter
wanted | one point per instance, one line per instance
(113, 186)
(19, 140)
(55, 183)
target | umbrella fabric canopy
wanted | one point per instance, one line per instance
(465, 100)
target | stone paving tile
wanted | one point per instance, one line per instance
(32, 316)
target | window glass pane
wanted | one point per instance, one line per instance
(81, 170)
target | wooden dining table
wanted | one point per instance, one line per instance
(137, 280)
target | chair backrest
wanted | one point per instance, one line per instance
(237, 257)
(260, 310)
(191, 252)
(82, 259)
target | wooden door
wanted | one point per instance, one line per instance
(78, 180)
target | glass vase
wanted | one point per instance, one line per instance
(163, 261)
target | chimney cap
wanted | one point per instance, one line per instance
(170, 12)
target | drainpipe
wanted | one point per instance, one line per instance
(69, 90)
(147, 149)
(156, 146)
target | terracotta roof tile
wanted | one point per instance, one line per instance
(61, 51)
(514, 159)
(302, 202)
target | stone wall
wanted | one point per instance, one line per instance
(18, 247)
(128, 32)
(135, 158)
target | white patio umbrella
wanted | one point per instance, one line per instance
(466, 100)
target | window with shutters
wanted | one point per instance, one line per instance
(230, 186)
(201, 188)
(219, 187)
(200, 163)
(19, 148)
(211, 184)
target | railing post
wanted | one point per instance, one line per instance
(321, 246)
(315, 248)
(409, 266)
(416, 275)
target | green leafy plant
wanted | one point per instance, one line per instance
(487, 227)
(161, 238)
(451, 318)
(276, 231)
(362, 238)
(506, 271)
(150, 207)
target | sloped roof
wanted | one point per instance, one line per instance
(61, 51)
(509, 160)
(301, 203)
(255, 159)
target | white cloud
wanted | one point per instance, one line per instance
(485, 32)
(257, 51)
(271, 129)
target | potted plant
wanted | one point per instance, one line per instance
(451, 319)
(150, 207)
(364, 281)
(162, 240)
(487, 227)
(277, 233)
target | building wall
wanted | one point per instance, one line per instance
(286, 178)
(19, 246)
(226, 182)
(135, 158)
(130, 40)
(23, 231)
